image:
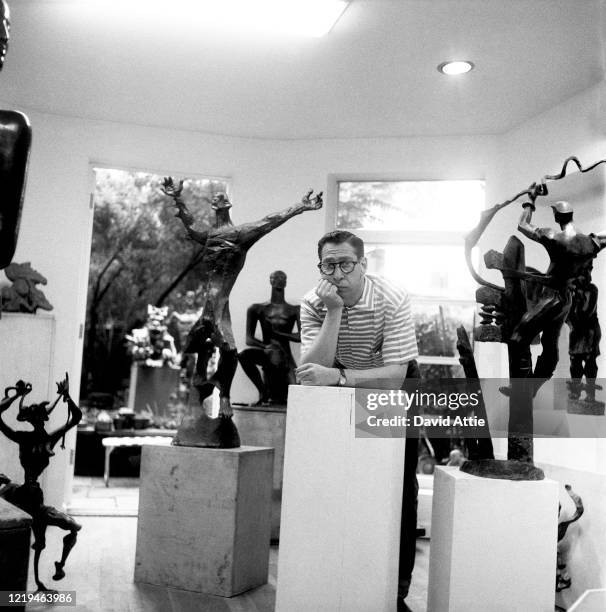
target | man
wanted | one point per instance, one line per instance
(15, 141)
(571, 255)
(277, 319)
(357, 331)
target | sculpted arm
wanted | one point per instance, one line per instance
(169, 188)
(525, 226)
(20, 390)
(294, 336)
(252, 318)
(74, 414)
(249, 233)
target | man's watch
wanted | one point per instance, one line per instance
(342, 378)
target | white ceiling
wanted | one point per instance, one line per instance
(374, 74)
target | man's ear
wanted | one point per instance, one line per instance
(363, 264)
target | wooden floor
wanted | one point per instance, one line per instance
(101, 566)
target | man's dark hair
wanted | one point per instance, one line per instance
(340, 237)
(562, 218)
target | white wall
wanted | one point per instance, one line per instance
(266, 176)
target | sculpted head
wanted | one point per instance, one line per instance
(5, 26)
(277, 279)
(220, 202)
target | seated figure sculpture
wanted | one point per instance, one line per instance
(15, 142)
(35, 450)
(277, 319)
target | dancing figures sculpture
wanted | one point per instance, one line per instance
(272, 354)
(225, 248)
(15, 142)
(530, 303)
(35, 450)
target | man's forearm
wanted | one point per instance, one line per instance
(384, 377)
(324, 347)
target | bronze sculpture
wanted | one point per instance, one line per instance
(584, 339)
(277, 319)
(35, 450)
(529, 303)
(225, 249)
(23, 295)
(15, 142)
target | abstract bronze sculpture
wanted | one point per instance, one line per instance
(23, 295)
(35, 450)
(225, 249)
(272, 354)
(528, 304)
(15, 142)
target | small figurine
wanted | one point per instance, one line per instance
(152, 345)
(277, 319)
(22, 295)
(225, 248)
(35, 450)
(584, 338)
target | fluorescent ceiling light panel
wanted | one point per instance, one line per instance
(269, 17)
(455, 67)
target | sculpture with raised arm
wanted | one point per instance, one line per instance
(225, 248)
(272, 354)
(35, 450)
(15, 142)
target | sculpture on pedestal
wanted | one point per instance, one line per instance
(15, 142)
(584, 344)
(23, 295)
(225, 249)
(272, 354)
(35, 450)
(530, 303)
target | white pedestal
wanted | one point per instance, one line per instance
(204, 518)
(341, 509)
(26, 350)
(493, 544)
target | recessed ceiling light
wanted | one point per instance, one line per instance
(455, 67)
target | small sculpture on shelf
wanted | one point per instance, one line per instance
(23, 295)
(529, 304)
(35, 450)
(272, 354)
(225, 250)
(152, 345)
(15, 143)
(584, 347)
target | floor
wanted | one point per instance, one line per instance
(100, 567)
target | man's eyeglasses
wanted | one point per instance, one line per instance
(345, 266)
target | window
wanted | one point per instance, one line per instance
(414, 233)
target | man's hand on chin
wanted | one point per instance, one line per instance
(316, 375)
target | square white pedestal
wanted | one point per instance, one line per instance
(341, 509)
(493, 544)
(204, 518)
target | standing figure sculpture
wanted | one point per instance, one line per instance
(277, 319)
(35, 450)
(15, 142)
(571, 255)
(584, 338)
(225, 249)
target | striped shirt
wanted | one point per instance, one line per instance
(378, 330)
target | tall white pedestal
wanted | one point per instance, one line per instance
(493, 544)
(341, 509)
(204, 518)
(26, 350)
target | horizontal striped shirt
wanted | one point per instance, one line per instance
(378, 330)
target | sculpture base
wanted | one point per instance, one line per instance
(206, 432)
(586, 407)
(204, 519)
(502, 469)
(493, 544)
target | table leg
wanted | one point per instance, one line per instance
(108, 452)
